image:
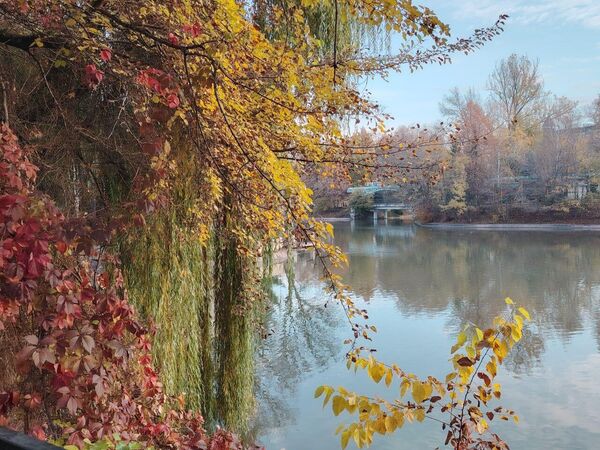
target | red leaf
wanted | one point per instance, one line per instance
(32, 401)
(39, 433)
(61, 246)
(106, 55)
(465, 362)
(72, 405)
(31, 339)
(485, 378)
(173, 39)
(172, 101)
(92, 76)
(88, 342)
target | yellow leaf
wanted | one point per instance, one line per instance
(345, 438)
(519, 320)
(404, 387)
(420, 391)
(399, 419)
(427, 389)
(470, 352)
(376, 370)
(388, 377)
(491, 368)
(524, 312)
(516, 334)
(420, 415)
(390, 424)
(482, 426)
(479, 334)
(509, 301)
(356, 437)
(451, 376)
(319, 391)
(516, 418)
(338, 405)
(328, 392)
(460, 340)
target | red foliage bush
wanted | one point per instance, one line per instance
(77, 362)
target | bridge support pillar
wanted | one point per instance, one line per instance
(385, 214)
(375, 216)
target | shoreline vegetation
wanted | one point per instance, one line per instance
(515, 218)
(499, 226)
(562, 227)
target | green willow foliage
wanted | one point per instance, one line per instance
(234, 329)
(169, 282)
(197, 295)
(348, 36)
(204, 342)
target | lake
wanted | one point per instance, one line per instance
(420, 287)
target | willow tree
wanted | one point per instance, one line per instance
(184, 127)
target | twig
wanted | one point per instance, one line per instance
(5, 102)
(335, 40)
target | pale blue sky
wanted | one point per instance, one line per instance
(564, 35)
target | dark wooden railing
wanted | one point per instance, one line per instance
(13, 440)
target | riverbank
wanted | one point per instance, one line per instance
(333, 219)
(564, 227)
(566, 214)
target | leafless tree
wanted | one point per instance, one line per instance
(558, 112)
(595, 113)
(516, 86)
(455, 102)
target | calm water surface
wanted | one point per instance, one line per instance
(420, 287)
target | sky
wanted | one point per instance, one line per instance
(563, 35)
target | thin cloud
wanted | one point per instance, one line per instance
(527, 12)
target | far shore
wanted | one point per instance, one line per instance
(511, 226)
(333, 219)
(550, 226)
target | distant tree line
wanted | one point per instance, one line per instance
(515, 149)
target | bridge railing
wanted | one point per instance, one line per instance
(13, 440)
(391, 206)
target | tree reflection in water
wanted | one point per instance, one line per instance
(301, 339)
(554, 275)
(412, 278)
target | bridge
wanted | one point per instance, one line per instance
(383, 200)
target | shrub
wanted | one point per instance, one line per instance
(361, 203)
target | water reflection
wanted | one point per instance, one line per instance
(421, 286)
(552, 274)
(300, 342)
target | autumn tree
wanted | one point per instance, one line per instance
(595, 117)
(504, 165)
(474, 151)
(516, 86)
(595, 111)
(170, 140)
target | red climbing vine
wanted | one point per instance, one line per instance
(77, 362)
